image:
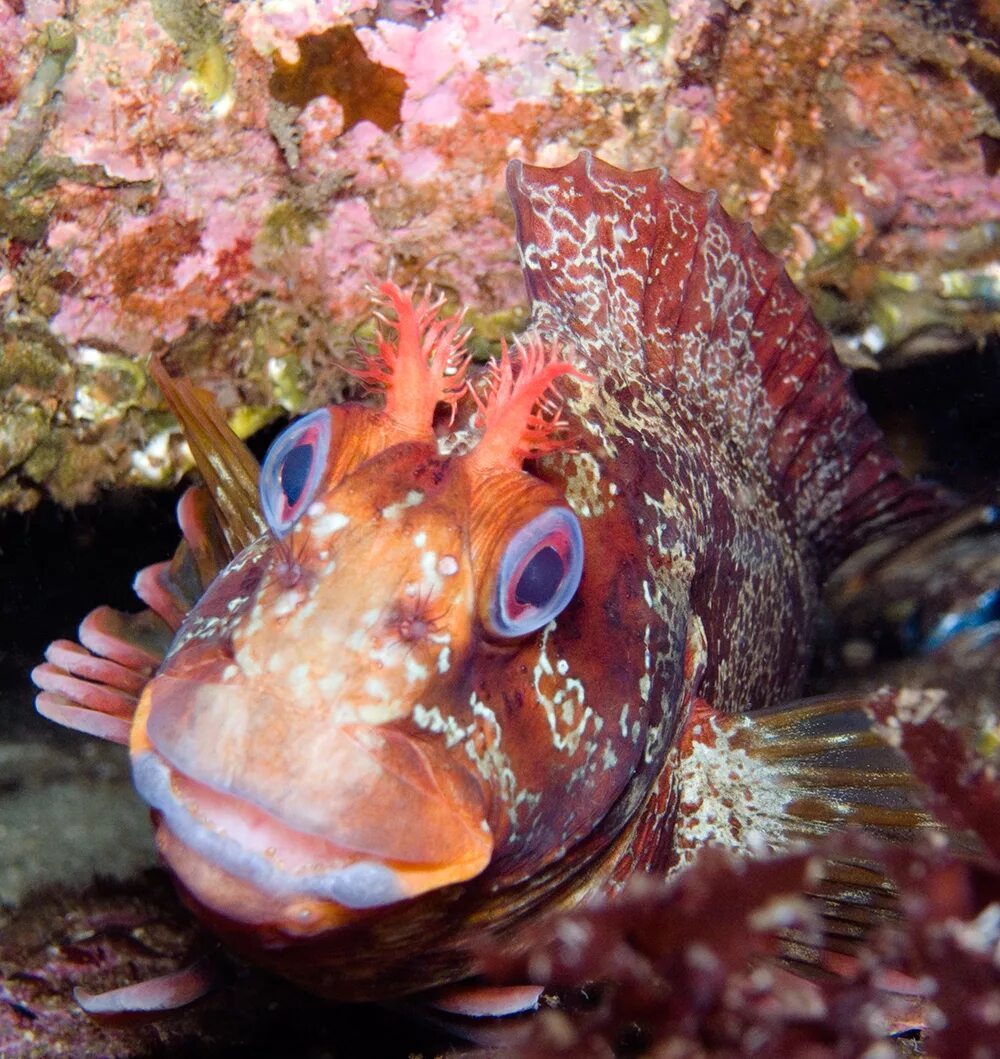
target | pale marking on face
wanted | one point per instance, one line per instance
(384, 656)
(330, 684)
(623, 720)
(377, 689)
(608, 757)
(432, 720)
(568, 723)
(495, 767)
(230, 672)
(328, 524)
(447, 565)
(202, 627)
(415, 672)
(579, 775)
(428, 566)
(315, 509)
(443, 660)
(298, 622)
(298, 680)
(419, 539)
(287, 602)
(412, 499)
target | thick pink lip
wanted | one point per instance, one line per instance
(282, 865)
(248, 843)
(362, 788)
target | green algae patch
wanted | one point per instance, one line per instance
(197, 30)
(289, 224)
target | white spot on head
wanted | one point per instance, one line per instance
(330, 683)
(315, 509)
(298, 678)
(443, 659)
(419, 539)
(428, 565)
(412, 499)
(414, 671)
(376, 689)
(286, 603)
(447, 565)
(327, 524)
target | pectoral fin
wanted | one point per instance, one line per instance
(94, 686)
(766, 782)
(474, 1000)
(155, 996)
(760, 782)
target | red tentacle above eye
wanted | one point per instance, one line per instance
(421, 365)
(521, 416)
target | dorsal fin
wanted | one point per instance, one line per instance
(227, 466)
(649, 278)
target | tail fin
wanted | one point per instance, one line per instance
(648, 278)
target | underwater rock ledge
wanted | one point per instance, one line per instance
(201, 175)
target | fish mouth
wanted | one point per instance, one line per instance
(206, 832)
(302, 848)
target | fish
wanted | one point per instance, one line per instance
(506, 638)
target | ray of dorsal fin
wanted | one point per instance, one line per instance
(227, 466)
(648, 278)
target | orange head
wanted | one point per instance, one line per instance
(321, 739)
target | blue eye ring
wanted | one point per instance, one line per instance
(539, 573)
(293, 469)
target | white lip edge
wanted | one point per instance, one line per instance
(364, 884)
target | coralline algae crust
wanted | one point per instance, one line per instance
(157, 191)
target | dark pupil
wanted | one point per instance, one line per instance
(540, 578)
(294, 472)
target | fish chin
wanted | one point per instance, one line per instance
(243, 863)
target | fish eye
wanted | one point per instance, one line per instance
(539, 572)
(292, 470)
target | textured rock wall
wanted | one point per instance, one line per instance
(226, 178)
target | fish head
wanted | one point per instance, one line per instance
(329, 733)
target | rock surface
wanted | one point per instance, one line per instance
(225, 179)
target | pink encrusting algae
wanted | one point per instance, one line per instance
(177, 183)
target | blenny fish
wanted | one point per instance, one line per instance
(500, 643)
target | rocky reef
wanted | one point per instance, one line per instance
(225, 179)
